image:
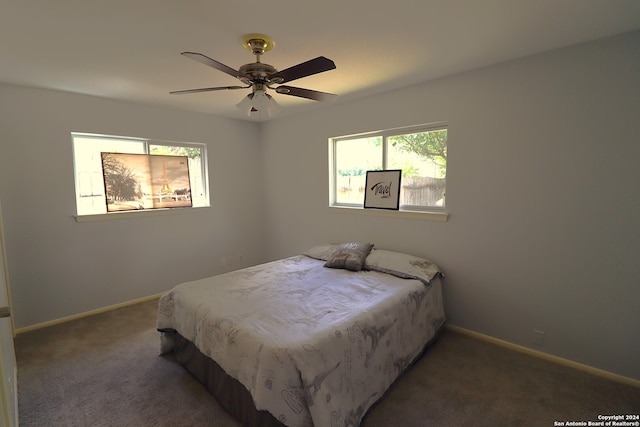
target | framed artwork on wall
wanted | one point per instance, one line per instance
(382, 190)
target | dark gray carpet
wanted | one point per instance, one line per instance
(105, 370)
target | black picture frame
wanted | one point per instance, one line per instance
(382, 190)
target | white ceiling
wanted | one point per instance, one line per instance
(130, 50)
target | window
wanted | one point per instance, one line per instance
(89, 180)
(420, 152)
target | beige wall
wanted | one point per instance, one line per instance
(59, 267)
(543, 190)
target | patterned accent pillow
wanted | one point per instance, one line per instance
(322, 252)
(349, 256)
(402, 265)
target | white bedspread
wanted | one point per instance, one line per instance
(313, 345)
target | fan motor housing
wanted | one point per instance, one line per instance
(258, 70)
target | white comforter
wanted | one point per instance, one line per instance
(314, 346)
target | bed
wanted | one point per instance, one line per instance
(310, 340)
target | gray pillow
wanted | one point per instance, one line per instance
(350, 256)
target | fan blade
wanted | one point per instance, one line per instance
(207, 89)
(313, 66)
(215, 64)
(305, 93)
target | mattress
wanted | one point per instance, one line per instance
(310, 345)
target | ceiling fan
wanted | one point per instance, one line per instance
(260, 76)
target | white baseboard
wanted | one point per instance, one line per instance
(555, 359)
(86, 314)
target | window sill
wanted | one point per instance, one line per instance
(440, 216)
(135, 214)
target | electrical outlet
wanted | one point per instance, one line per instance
(224, 261)
(538, 337)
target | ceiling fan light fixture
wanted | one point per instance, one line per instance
(273, 108)
(259, 100)
(246, 105)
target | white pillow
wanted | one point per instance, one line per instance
(322, 252)
(401, 265)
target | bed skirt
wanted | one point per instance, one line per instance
(228, 391)
(231, 394)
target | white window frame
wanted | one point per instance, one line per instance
(146, 143)
(433, 213)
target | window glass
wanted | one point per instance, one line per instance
(196, 168)
(89, 180)
(421, 154)
(353, 158)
